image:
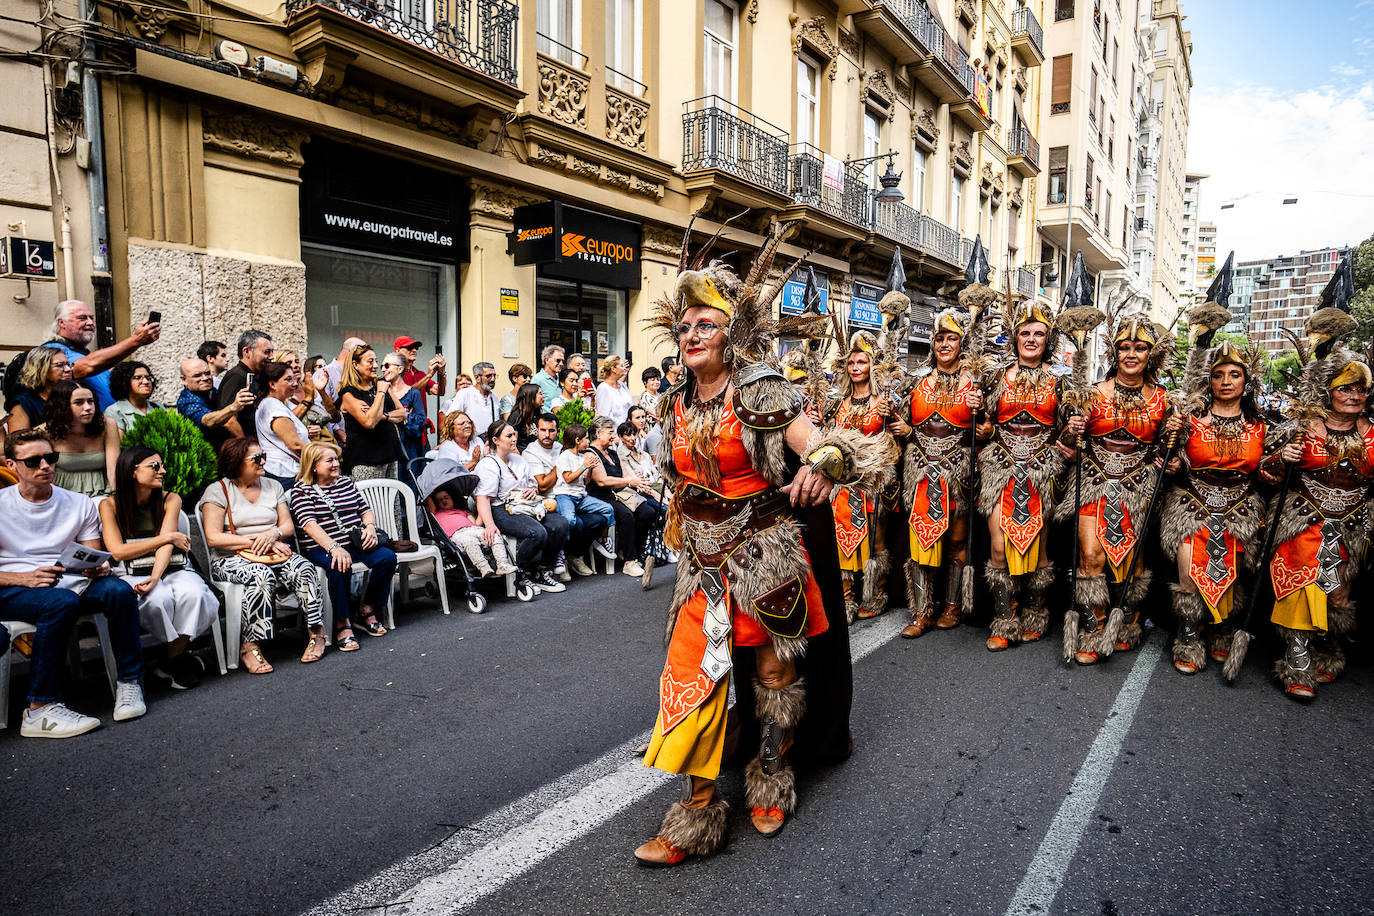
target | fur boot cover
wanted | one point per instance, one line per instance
(696, 831)
(1191, 611)
(1284, 670)
(764, 791)
(1035, 616)
(1094, 598)
(784, 705)
(1004, 622)
(919, 600)
(1131, 631)
(875, 580)
(1328, 658)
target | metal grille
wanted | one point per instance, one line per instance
(806, 168)
(1023, 22)
(1021, 142)
(917, 18)
(716, 134)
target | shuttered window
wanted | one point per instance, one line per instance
(1061, 84)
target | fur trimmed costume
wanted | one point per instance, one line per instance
(860, 518)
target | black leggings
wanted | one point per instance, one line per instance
(536, 542)
(632, 528)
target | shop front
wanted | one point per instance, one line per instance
(586, 266)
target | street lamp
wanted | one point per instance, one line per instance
(889, 192)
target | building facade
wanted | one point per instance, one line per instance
(1286, 291)
(1164, 145)
(493, 176)
(1188, 253)
(1205, 264)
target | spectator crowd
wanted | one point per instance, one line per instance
(531, 485)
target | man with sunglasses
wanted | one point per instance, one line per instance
(547, 377)
(41, 522)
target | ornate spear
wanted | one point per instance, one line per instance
(975, 296)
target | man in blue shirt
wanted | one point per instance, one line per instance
(73, 329)
(197, 404)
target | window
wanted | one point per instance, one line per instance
(722, 24)
(1059, 165)
(873, 140)
(1116, 58)
(808, 101)
(1107, 215)
(1061, 85)
(1063, 9)
(559, 24)
(1111, 139)
(623, 46)
(918, 178)
(1092, 84)
(956, 202)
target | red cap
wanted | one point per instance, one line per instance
(404, 341)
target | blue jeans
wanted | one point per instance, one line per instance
(381, 566)
(585, 514)
(53, 611)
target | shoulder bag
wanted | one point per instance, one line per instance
(266, 559)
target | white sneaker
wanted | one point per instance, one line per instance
(579, 566)
(128, 701)
(632, 568)
(55, 721)
(561, 573)
(605, 547)
(505, 569)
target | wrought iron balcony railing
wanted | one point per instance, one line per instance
(717, 134)
(806, 170)
(1023, 22)
(1021, 142)
(479, 34)
(916, 16)
(1025, 281)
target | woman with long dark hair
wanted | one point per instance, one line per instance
(78, 434)
(524, 416)
(139, 524)
(132, 385)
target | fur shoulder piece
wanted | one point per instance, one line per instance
(766, 400)
(849, 457)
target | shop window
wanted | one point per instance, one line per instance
(581, 318)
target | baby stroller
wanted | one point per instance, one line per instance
(431, 475)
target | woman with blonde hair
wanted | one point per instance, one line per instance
(456, 441)
(43, 368)
(612, 396)
(371, 448)
(412, 430)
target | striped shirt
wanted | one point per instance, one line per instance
(312, 503)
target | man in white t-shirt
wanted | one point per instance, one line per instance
(477, 401)
(42, 521)
(542, 454)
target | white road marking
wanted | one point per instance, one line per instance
(1045, 874)
(482, 858)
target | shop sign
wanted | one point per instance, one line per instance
(571, 243)
(510, 301)
(921, 331)
(29, 259)
(793, 293)
(356, 198)
(863, 305)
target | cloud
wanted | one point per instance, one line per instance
(1344, 69)
(1260, 145)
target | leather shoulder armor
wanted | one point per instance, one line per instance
(764, 399)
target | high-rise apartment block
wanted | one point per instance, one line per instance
(1286, 289)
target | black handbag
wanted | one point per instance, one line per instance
(353, 535)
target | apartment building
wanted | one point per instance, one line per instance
(496, 176)
(1204, 267)
(1247, 277)
(1188, 240)
(1286, 291)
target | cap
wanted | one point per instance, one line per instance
(405, 342)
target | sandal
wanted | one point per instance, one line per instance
(997, 643)
(1086, 658)
(373, 627)
(344, 643)
(767, 821)
(314, 650)
(253, 662)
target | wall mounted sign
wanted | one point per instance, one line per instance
(794, 289)
(29, 259)
(510, 301)
(863, 305)
(571, 243)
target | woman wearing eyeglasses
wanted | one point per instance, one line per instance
(43, 368)
(139, 525)
(248, 528)
(744, 581)
(132, 385)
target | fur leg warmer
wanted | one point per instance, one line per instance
(1131, 632)
(1340, 619)
(1004, 622)
(1295, 667)
(1035, 616)
(1329, 659)
(875, 585)
(696, 831)
(1191, 611)
(1093, 598)
(780, 708)
(851, 607)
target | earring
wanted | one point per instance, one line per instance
(729, 354)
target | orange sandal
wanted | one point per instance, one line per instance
(1299, 692)
(1086, 658)
(659, 853)
(767, 821)
(997, 643)
(1186, 667)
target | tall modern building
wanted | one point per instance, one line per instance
(1187, 259)
(1286, 290)
(1248, 277)
(1205, 265)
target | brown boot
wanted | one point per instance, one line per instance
(694, 826)
(922, 606)
(953, 613)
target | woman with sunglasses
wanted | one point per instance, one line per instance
(412, 429)
(132, 386)
(456, 442)
(43, 368)
(78, 434)
(247, 527)
(139, 525)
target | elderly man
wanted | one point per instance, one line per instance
(255, 352)
(216, 356)
(73, 329)
(478, 402)
(547, 377)
(197, 404)
(42, 521)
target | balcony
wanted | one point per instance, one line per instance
(901, 27)
(940, 73)
(1027, 37)
(1023, 152)
(937, 246)
(461, 50)
(730, 150)
(1025, 282)
(843, 210)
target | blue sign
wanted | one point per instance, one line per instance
(863, 306)
(792, 291)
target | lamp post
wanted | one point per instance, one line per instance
(889, 192)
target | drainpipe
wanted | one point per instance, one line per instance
(65, 242)
(92, 113)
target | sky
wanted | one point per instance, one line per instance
(1283, 106)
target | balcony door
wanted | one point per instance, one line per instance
(873, 141)
(721, 47)
(808, 101)
(623, 46)
(559, 24)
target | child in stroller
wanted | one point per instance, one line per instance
(467, 534)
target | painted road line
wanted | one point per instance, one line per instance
(480, 859)
(1046, 872)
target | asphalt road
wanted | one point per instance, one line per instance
(343, 784)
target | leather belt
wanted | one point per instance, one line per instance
(716, 525)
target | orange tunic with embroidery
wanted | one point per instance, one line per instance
(1206, 452)
(1295, 565)
(1104, 419)
(930, 401)
(855, 510)
(1041, 404)
(684, 685)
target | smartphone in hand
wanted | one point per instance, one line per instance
(154, 317)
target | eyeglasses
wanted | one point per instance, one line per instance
(32, 462)
(259, 459)
(1351, 389)
(142, 377)
(705, 329)
(154, 466)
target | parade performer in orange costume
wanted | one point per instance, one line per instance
(744, 577)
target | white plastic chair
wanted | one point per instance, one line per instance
(17, 628)
(184, 526)
(381, 495)
(233, 599)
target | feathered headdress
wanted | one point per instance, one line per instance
(883, 346)
(1076, 290)
(1136, 325)
(1203, 324)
